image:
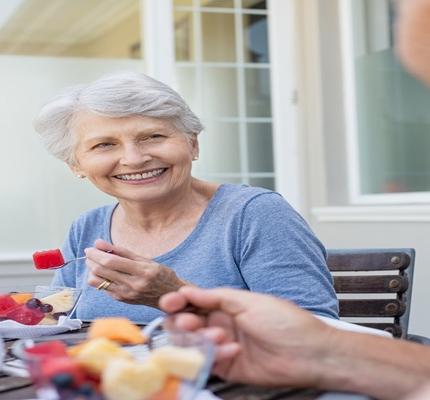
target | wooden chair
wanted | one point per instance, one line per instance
(373, 285)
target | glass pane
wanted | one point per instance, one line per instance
(184, 43)
(187, 86)
(183, 2)
(218, 37)
(255, 38)
(260, 148)
(79, 28)
(257, 92)
(393, 119)
(219, 148)
(219, 92)
(217, 3)
(254, 4)
(268, 183)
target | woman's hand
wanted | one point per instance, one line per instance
(135, 279)
(260, 339)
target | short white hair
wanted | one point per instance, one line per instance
(116, 95)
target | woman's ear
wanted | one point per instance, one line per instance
(76, 170)
(195, 147)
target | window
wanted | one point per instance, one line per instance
(222, 67)
(44, 47)
(388, 116)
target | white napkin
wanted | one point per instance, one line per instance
(14, 330)
(347, 326)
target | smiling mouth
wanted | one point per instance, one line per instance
(141, 175)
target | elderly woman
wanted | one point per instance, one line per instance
(135, 139)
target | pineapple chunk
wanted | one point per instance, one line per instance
(96, 353)
(61, 302)
(184, 363)
(131, 380)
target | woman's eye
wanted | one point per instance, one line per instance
(156, 136)
(102, 145)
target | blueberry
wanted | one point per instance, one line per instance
(33, 303)
(46, 308)
(63, 380)
(85, 389)
(57, 315)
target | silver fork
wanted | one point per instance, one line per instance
(76, 259)
(68, 262)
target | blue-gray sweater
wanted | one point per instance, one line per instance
(247, 238)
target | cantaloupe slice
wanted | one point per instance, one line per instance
(119, 329)
(21, 298)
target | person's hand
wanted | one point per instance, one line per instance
(135, 279)
(260, 339)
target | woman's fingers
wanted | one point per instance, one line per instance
(101, 244)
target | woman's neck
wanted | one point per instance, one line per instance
(156, 216)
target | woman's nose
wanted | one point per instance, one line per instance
(134, 155)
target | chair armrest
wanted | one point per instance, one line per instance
(418, 339)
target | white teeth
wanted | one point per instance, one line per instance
(144, 175)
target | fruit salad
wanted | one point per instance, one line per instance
(35, 308)
(101, 367)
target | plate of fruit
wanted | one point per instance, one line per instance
(35, 307)
(115, 361)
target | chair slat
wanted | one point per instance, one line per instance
(367, 261)
(371, 308)
(371, 284)
(394, 329)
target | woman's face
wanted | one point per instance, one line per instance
(133, 158)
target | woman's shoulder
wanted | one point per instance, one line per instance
(241, 195)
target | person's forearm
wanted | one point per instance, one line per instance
(380, 367)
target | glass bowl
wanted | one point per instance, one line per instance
(92, 387)
(37, 305)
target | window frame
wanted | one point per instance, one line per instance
(356, 197)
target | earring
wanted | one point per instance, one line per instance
(195, 158)
(80, 176)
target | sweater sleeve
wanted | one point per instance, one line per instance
(280, 255)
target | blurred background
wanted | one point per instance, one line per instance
(305, 97)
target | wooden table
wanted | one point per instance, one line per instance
(14, 388)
